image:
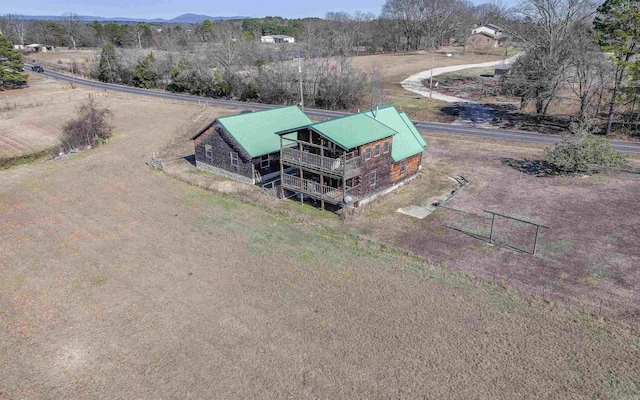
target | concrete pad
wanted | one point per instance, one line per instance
(416, 211)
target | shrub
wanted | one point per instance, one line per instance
(582, 149)
(89, 129)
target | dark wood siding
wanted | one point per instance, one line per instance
(412, 166)
(381, 164)
(221, 153)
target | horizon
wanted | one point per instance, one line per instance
(148, 9)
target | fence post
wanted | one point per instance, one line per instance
(535, 241)
(493, 219)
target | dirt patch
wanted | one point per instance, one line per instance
(587, 258)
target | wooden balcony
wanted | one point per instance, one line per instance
(342, 166)
(314, 189)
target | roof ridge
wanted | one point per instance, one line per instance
(257, 112)
(377, 108)
(381, 123)
(411, 130)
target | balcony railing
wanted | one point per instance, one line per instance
(327, 164)
(314, 188)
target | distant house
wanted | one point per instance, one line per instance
(39, 47)
(350, 160)
(486, 36)
(277, 39)
(244, 146)
(491, 29)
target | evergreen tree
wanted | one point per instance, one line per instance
(11, 64)
(108, 71)
(146, 73)
(617, 28)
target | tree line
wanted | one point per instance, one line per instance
(578, 46)
(402, 25)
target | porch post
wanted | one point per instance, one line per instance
(301, 174)
(281, 171)
(321, 174)
(344, 178)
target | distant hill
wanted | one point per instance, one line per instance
(182, 19)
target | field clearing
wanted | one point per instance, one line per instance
(82, 60)
(396, 67)
(117, 281)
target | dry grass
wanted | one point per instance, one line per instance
(117, 281)
(83, 60)
(582, 213)
(397, 67)
(394, 68)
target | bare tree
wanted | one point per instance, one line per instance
(407, 15)
(549, 43)
(231, 47)
(589, 70)
(71, 25)
(16, 27)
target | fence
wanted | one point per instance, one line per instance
(491, 238)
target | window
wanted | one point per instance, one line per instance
(403, 166)
(386, 147)
(234, 159)
(372, 178)
(208, 153)
(367, 153)
(264, 162)
(376, 152)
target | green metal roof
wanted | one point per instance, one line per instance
(353, 130)
(255, 131)
(408, 142)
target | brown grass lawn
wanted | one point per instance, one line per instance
(117, 281)
(31, 118)
(397, 67)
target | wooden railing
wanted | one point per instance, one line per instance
(314, 188)
(328, 164)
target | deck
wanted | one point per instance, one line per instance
(330, 166)
(314, 189)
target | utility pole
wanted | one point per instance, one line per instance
(301, 91)
(433, 60)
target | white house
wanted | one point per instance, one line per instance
(277, 39)
(39, 47)
(490, 29)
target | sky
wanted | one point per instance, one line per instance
(172, 8)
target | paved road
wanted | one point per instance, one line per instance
(503, 134)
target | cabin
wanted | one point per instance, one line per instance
(350, 160)
(486, 36)
(244, 147)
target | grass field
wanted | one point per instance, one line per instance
(117, 281)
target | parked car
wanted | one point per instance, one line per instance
(37, 68)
